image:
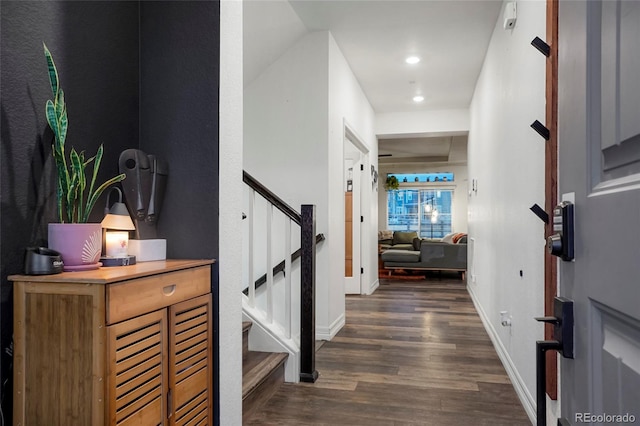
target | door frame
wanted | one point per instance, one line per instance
(359, 240)
(551, 188)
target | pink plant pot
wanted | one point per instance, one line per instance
(79, 244)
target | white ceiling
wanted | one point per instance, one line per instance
(450, 36)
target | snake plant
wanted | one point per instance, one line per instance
(73, 207)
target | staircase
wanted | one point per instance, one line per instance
(262, 374)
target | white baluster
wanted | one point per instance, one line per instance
(252, 281)
(287, 277)
(269, 264)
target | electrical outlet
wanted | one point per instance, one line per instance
(505, 319)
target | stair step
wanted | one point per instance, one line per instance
(262, 374)
(258, 367)
(246, 326)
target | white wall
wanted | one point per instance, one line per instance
(507, 158)
(348, 105)
(230, 259)
(285, 139)
(434, 123)
(460, 187)
(293, 143)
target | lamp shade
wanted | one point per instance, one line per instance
(116, 221)
(117, 217)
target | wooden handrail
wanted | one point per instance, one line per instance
(272, 198)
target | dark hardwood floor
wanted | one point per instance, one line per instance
(413, 353)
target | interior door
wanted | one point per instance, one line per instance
(353, 283)
(599, 161)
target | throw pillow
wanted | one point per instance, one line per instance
(385, 235)
(456, 237)
(448, 238)
(404, 237)
(417, 242)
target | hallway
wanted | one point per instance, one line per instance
(413, 353)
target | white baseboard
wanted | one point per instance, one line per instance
(374, 286)
(525, 397)
(324, 333)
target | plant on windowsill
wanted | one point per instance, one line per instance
(73, 207)
(391, 183)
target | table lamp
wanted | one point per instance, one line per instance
(116, 226)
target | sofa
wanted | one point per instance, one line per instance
(449, 254)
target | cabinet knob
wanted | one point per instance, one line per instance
(169, 290)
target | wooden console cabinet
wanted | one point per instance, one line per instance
(128, 345)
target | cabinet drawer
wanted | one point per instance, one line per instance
(128, 299)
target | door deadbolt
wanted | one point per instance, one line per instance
(561, 242)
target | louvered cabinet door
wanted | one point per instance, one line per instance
(138, 371)
(190, 362)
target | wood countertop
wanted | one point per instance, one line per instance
(112, 274)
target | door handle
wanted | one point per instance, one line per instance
(562, 321)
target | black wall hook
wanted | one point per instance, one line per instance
(539, 211)
(541, 129)
(543, 47)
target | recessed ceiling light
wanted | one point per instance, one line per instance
(412, 60)
(418, 98)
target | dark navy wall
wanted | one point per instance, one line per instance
(179, 85)
(135, 75)
(179, 117)
(95, 46)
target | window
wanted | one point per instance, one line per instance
(427, 211)
(425, 177)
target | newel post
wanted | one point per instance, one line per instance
(308, 371)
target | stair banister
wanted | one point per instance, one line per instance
(306, 221)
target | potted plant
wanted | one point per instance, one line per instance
(79, 242)
(391, 183)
